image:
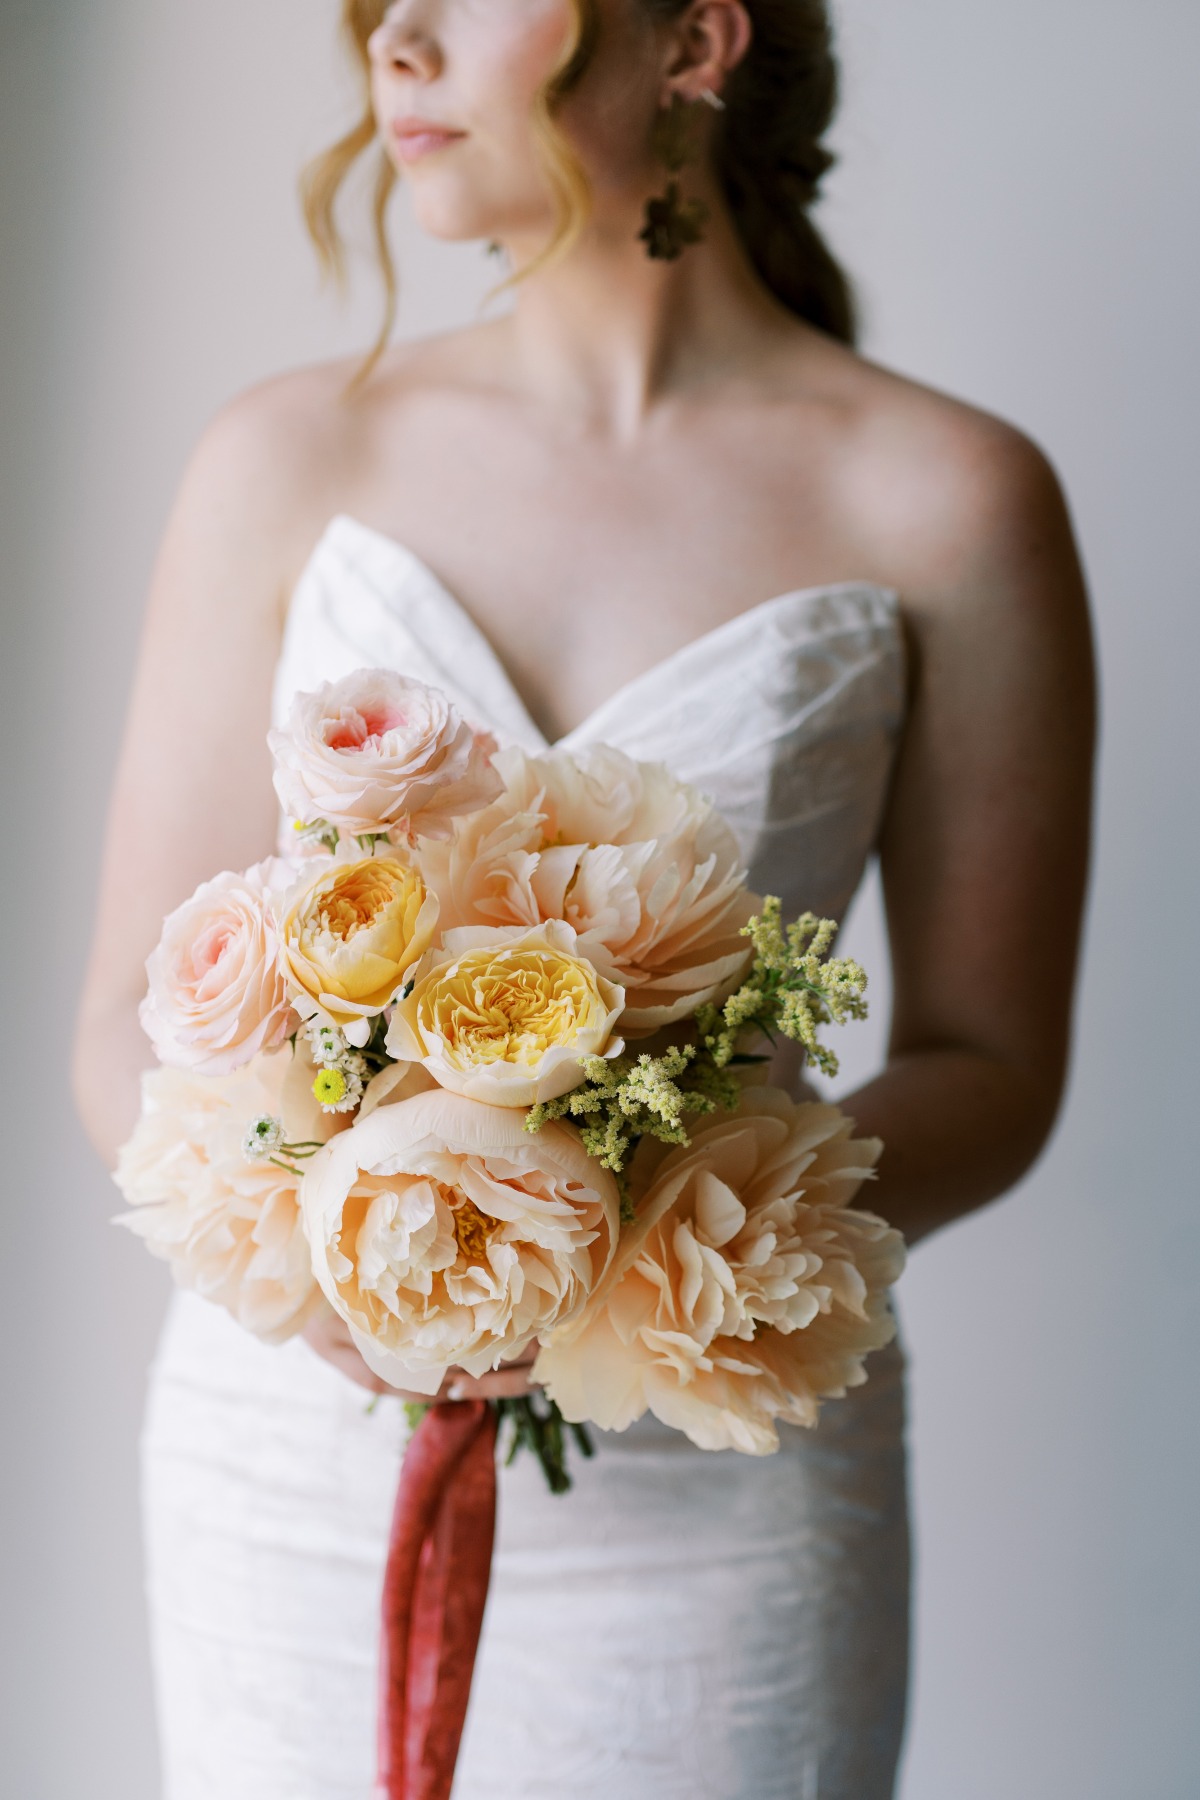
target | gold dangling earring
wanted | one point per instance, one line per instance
(671, 222)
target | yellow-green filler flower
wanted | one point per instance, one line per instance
(793, 989)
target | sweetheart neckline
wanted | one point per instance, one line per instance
(345, 524)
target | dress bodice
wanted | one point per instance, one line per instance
(787, 716)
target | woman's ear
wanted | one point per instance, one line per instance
(711, 39)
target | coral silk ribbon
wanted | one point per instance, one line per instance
(438, 1568)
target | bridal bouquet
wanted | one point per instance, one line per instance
(478, 1062)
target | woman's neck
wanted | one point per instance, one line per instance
(607, 334)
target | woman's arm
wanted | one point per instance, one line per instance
(193, 791)
(985, 846)
(193, 788)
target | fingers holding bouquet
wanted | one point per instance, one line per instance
(511, 1381)
(330, 1337)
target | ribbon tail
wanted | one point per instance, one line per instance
(435, 1590)
(452, 1591)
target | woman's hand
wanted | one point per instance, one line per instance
(329, 1336)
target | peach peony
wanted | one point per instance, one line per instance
(217, 996)
(747, 1291)
(395, 1082)
(640, 865)
(350, 933)
(377, 752)
(229, 1228)
(445, 1234)
(504, 1016)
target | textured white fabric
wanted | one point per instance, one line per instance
(682, 1626)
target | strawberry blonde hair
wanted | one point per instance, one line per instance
(771, 159)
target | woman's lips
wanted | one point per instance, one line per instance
(415, 138)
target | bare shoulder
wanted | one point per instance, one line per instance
(954, 506)
(263, 470)
(277, 462)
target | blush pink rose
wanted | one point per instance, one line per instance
(217, 994)
(376, 753)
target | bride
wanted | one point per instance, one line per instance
(660, 503)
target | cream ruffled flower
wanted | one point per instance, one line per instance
(217, 995)
(444, 1234)
(229, 1227)
(394, 1083)
(377, 752)
(748, 1289)
(639, 864)
(504, 1016)
(350, 933)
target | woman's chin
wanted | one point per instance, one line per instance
(449, 226)
(457, 219)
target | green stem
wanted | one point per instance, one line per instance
(537, 1425)
(543, 1432)
(290, 1167)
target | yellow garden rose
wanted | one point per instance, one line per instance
(350, 934)
(504, 1016)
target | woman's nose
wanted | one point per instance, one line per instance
(403, 41)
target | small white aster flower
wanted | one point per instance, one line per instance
(264, 1138)
(329, 1046)
(338, 1090)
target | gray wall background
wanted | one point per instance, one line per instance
(1019, 197)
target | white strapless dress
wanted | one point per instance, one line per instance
(683, 1625)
